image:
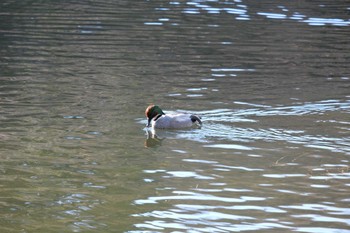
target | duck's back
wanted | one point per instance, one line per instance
(174, 121)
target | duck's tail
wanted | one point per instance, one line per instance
(195, 118)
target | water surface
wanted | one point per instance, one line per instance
(270, 80)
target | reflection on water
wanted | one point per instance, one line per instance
(270, 80)
(239, 203)
(244, 10)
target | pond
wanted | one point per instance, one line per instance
(270, 80)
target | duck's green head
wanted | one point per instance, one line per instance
(153, 111)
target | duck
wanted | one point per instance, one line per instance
(156, 118)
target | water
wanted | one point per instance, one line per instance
(270, 80)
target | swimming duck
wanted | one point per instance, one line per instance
(158, 119)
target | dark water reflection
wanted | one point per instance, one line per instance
(270, 79)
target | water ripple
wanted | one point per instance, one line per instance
(195, 196)
(243, 11)
(187, 174)
(217, 123)
(297, 110)
(319, 208)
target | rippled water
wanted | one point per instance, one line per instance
(270, 79)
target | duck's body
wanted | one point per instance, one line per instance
(174, 121)
(158, 119)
